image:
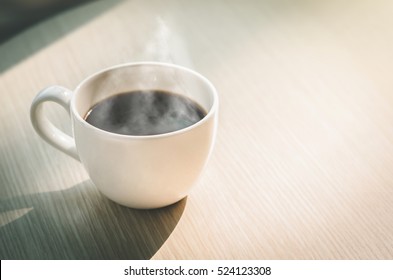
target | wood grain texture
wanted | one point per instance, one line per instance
(302, 167)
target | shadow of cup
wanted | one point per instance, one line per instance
(80, 223)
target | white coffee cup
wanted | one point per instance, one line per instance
(136, 171)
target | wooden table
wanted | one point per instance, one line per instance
(303, 163)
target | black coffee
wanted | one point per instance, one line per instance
(144, 113)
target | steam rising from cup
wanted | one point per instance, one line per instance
(165, 45)
(145, 109)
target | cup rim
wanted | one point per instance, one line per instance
(209, 114)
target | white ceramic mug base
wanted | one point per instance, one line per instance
(135, 171)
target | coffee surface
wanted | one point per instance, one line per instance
(145, 113)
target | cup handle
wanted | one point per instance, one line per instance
(44, 127)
